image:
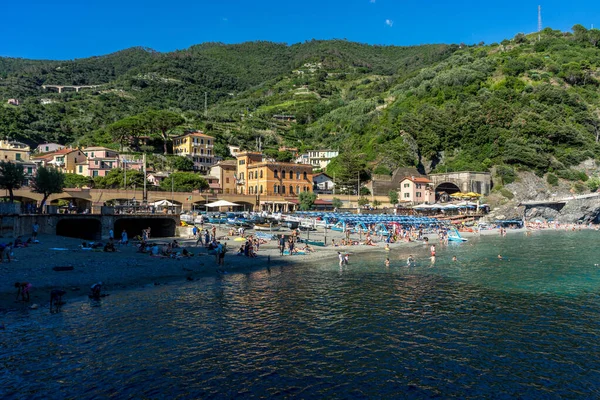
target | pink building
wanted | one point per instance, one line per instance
(417, 190)
(99, 161)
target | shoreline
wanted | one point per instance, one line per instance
(128, 269)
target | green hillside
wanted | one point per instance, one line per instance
(531, 102)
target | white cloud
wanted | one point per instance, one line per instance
(389, 22)
(373, 1)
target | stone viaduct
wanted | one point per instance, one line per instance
(452, 182)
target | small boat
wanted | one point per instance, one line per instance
(456, 237)
(266, 227)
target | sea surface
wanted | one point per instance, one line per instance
(527, 326)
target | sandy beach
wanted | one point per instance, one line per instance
(129, 269)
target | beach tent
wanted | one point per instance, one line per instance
(162, 203)
(221, 203)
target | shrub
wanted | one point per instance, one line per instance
(507, 193)
(593, 183)
(552, 179)
(506, 174)
(579, 187)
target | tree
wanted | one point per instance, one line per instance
(163, 121)
(11, 177)
(363, 201)
(393, 195)
(128, 131)
(336, 203)
(77, 181)
(115, 179)
(307, 200)
(376, 203)
(48, 181)
(180, 163)
(184, 182)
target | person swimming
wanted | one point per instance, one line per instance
(454, 258)
(96, 290)
(410, 261)
(387, 262)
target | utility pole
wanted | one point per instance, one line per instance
(145, 195)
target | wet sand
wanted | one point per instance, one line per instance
(129, 269)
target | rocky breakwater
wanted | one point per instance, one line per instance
(529, 188)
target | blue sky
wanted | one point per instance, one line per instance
(65, 29)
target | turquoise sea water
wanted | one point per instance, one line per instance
(528, 327)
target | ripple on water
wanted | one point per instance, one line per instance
(528, 327)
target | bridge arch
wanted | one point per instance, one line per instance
(159, 227)
(79, 204)
(81, 228)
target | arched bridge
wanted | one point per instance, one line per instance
(96, 198)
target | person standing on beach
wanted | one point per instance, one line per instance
(341, 257)
(124, 238)
(432, 249)
(23, 290)
(195, 232)
(281, 244)
(111, 235)
(36, 228)
(214, 232)
(218, 252)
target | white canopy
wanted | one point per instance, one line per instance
(162, 203)
(221, 203)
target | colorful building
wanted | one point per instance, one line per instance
(11, 150)
(416, 190)
(256, 176)
(198, 147)
(48, 148)
(225, 171)
(65, 160)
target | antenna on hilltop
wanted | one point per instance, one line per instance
(539, 18)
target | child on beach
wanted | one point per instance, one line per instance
(23, 290)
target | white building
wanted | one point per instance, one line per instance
(48, 148)
(322, 183)
(317, 158)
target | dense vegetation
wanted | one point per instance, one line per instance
(527, 103)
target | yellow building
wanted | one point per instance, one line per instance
(198, 147)
(256, 176)
(225, 172)
(13, 151)
(65, 160)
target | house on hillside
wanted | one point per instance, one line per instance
(66, 160)
(416, 190)
(319, 159)
(13, 102)
(155, 178)
(322, 184)
(48, 148)
(198, 147)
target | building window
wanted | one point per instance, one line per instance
(29, 170)
(291, 175)
(255, 189)
(298, 187)
(208, 142)
(47, 148)
(282, 174)
(261, 189)
(250, 175)
(291, 189)
(406, 195)
(418, 186)
(275, 189)
(80, 169)
(250, 190)
(226, 180)
(305, 176)
(282, 189)
(242, 176)
(406, 185)
(275, 174)
(418, 194)
(201, 141)
(242, 162)
(18, 155)
(261, 174)
(95, 173)
(95, 162)
(298, 175)
(305, 188)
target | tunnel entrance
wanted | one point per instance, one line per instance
(159, 227)
(81, 228)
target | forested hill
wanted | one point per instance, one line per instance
(531, 102)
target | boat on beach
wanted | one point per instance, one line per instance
(266, 227)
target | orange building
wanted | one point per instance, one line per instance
(225, 172)
(256, 176)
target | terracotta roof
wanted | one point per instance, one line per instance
(416, 179)
(227, 162)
